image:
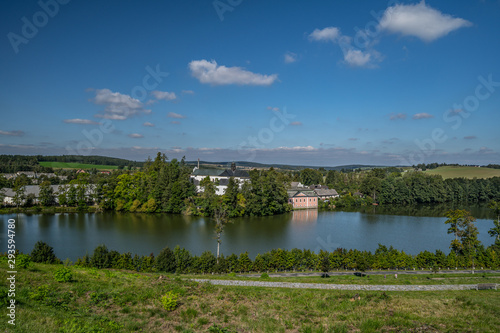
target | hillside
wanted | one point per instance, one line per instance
(103, 300)
(464, 172)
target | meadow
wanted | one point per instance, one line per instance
(464, 172)
(63, 165)
(103, 300)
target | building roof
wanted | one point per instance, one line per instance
(35, 189)
(220, 173)
(300, 193)
(235, 173)
(324, 192)
(296, 185)
(207, 172)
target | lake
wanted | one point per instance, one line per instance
(74, 234)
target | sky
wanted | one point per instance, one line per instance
(320, 83)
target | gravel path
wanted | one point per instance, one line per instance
(339, 286)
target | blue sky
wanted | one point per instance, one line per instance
(318, 83)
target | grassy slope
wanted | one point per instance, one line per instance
(464, 171)
(62, 165)
(119, 301)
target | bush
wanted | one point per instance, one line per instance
(63, 274)
(165, 261)
(43, 253)
(100, 257)
(23, 261)
(264, 276)
(169, 301)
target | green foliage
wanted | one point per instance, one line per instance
(165, 261)
(43, 253)
(169, 301)
(218, 329)
(100, 258)
(264, 276)
(63, 274)
(4, 296)
(23, 261)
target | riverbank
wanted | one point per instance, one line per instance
(125, 301)
(49, 210)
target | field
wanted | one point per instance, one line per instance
(124, 301)
(464, 171)
(62, 165)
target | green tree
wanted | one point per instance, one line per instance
(221, 217)
(46, 196)
(495, 231)
(43, 253)
(19, 196)
(165, 261)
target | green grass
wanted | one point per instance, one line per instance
(62, 165)
(464, 171)
(96, 301)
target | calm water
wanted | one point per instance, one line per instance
(72, 235)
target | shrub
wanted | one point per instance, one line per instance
(4, 299)
(23, 261)
(100, 257)
(63, 274)
(169, 301)
(43, 253)
(264, 276)
(165, 261)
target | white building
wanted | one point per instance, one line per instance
(219, 177)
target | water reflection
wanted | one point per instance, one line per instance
(304, 216)
(73, 234)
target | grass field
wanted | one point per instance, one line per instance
(62, 165)
(464, 171)
(124, 301)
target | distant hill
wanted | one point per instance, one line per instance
(246, 164)
(39, 163)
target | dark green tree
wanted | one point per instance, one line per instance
(43, 253)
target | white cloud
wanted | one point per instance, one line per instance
(175, 115)
(12, 133)
(290, 57)
(422, 116)
(470, 137)
(209, 72)
(148, 124)
(327, 34)
(168, 96)
(421, 21)
(80, 121)
(118, 106)
(136, 136)
(352, 56)
(175, 122)
(357, 58)
(189, 92)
